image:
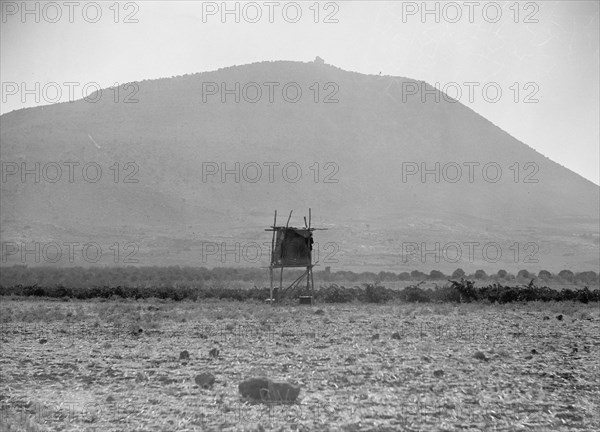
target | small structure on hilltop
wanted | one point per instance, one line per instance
(292, 247)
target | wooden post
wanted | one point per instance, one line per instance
(307, 280)
(280, 284)
(312, 282)
(309, 268)
(273, 239)
(272, 258)
(271, 274)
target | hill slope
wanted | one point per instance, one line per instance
(372, 210)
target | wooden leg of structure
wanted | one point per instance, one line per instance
(279, 291)
(307, 280)
(271, 278)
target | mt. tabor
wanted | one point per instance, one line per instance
(358, 141)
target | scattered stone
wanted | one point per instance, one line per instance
(165, 380)
(438, 373)
(480, 356)
(184, 355)
(559, 317)
(534, 351)
(425, 358)
(205, 380)
(375, 336)
(546, 318)
(141, 377)
(396, 335)
(319, 312)
(214, 353)
(574, 350)
(264, 390)
(43, 341)
(110, 398)
(136, 331)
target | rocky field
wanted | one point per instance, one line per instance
(158, 365)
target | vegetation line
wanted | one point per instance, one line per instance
(463, 291)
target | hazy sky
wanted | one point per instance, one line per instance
(550, 52)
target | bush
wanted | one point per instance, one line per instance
(404, 276)
(584, 295)
(480, 274)
(446, 294)
(376, 294)
(334, 294)
(502, 274)
(466, 290)
(386, 276)
(545, 275)
(436, 275)
(414, 294)
(588, 277)
(524, 274)
(567, 275)
(417, 275)
(458, 273)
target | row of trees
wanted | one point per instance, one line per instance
(200, 276)
(587, 277)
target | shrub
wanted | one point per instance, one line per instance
(567, 275)
(334, 294)
(545, 275)
(584, 295)
(458, 273)
(404, 276)
(502, 274)
(588, 277)
(414, 294)
(436, 275)
(480, 274)
(377, 294)
(466, 289)
(386, 276)
(445, 294)
(417, 275)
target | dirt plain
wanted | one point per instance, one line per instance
(117, 365)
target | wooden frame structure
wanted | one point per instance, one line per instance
(291, 247)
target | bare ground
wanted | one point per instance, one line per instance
(115, 365)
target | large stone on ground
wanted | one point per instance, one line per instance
(265, 390)
(205, 380)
